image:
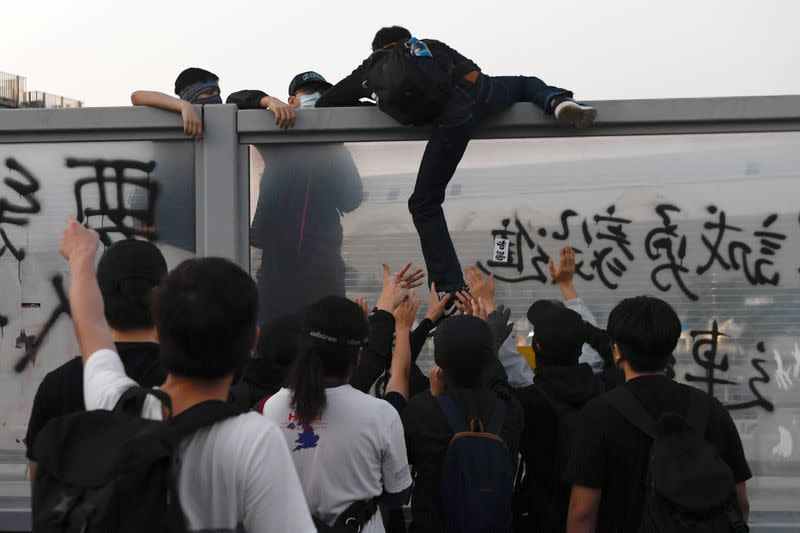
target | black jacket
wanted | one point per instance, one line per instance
(544, 497)
(349, 91)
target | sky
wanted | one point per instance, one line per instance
(101, 51)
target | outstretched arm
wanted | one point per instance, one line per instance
(192, 123)
(348, 92)
(79, 246)
(404, 317)
(564, 277)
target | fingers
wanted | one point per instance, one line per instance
(386, 273)
(414, 279)
(552, 267)
(403, 270)
(491, 283)
(465, 302)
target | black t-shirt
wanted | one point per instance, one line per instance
(61, 391)
(428, 435)
(611, 454)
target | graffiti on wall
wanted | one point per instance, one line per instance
(605, 251)
(125, 208)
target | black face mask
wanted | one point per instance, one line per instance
(215, 99)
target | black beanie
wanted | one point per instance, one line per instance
(191, 76)
(463, 345)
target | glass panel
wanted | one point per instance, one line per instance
(40, 185)
(707, 222)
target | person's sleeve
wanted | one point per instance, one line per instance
(587, 459)
(248, 99)
(273, 497)
(396, 400)
(517, 369)
(419, 336)
(347, 185)
(378, 353)
(588, 353)
(104, 380)
(733, 453)
(348, 92)
(394, 460)
(45, 408)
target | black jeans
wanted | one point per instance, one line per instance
(469, 105)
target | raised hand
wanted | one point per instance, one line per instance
(480, 286)
(406, 279)
(565, 273)
(406, 313)
(78, 241)
(394, 292)
(436, 305)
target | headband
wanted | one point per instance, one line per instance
(191, 92)
(330, 339)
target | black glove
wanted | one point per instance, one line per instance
(498, 321)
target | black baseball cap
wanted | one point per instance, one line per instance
(559, 330)
(127, 260)
(306, 78)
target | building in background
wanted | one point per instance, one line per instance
(14, 95)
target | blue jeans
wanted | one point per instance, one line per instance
(468, 107)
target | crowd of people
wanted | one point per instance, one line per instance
(313, 438)
(188, 410)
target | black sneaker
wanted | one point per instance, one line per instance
(451, 309)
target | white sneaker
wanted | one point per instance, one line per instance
(579, 115)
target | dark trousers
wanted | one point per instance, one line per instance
(469, 105)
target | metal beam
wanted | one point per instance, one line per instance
(616, 117)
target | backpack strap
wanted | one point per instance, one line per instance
(629, 406)
(132, 400)
(457, 422)
(201, 415)
(357, 515)
(699, 411)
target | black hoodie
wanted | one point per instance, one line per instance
(543, 497)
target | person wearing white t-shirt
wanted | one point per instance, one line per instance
(347, 446)
(234, 475)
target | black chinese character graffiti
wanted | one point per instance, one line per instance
(116, 212)
(508, 253)
(605, 259)
(29, 206)
(61, 309)
(707, 358)
(737, 254)
(10, 209)
(661, 243)
(763, 377)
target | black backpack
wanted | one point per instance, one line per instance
(101, 471)
(477, 473)
(688, 487)
(410, 89)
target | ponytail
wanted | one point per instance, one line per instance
(335, 331)
(308, 389)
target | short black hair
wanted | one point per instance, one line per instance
(127, 273)
(389, 35)
(205, 312)
(191, 76)
(647, 330)
(279, 341)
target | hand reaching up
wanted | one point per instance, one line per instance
(406, 313)
(436, 305)
(565, 273)
(479, 286)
